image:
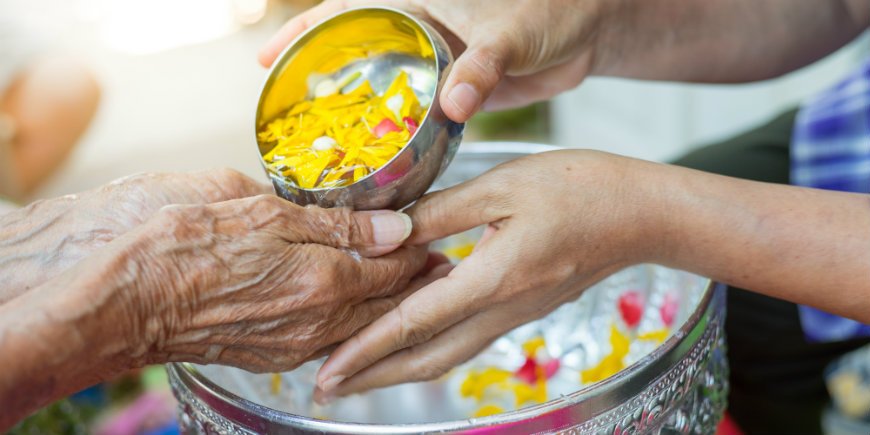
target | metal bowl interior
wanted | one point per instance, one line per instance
(366, 44)
(578, 332)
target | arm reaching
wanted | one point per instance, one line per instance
(578, 217)
(515, 52)
(722, 41)
(804, 245)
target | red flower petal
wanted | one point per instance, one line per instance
(669, 308)
(631, 308)
(551, 367)
(528, 372)
(411, 124)
(385, 127)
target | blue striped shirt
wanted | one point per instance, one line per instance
(831, 150)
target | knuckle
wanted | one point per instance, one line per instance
(343, 226)
(280, 362)
(326, 276)
(174, 214)
(389, 277)
(429, 209)
(386, 305)
(499, 178)
(487, 62)
(498, 193)
(269, 209)
(365, 358)
(270, 201)
(136, 187)
(427, 367)
(180, 221)
(138, 178)
(230, 175)
(324, 280)
(228, 183)
(317, 274)
(235, 180)
(411, 329)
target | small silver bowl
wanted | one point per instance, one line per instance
(338, 48)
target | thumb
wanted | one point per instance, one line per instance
(474, 76)
(457, 209)
(371, 233)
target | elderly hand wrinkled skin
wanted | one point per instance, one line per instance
(254, 282)
(50, 236)
(257, 283)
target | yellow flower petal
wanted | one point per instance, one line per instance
(275, 384)
(459, 252)
(611, 363)
(487, 410)
(530, 347)
(348, 118)
(658, 336)
(425, 47)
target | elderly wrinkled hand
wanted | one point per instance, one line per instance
(50, 236)
(258, 283)
(254, 282)
(514, 52)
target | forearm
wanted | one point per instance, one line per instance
(38, 242)
(722, 41)
(46, 238)
(58, 339)
(804, 245)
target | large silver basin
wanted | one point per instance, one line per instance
(679, 386)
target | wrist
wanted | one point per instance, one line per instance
(120, 279)
(681, 209)
(621, 207)
(654, 200)
(42, 240)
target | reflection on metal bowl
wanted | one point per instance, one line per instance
(679, 386)
(374, 45)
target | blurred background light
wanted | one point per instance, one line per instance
(143, 27)
(249, 12)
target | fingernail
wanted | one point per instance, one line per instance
(391, 228)
(330, 384)
(465, 98)
(323, 398)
